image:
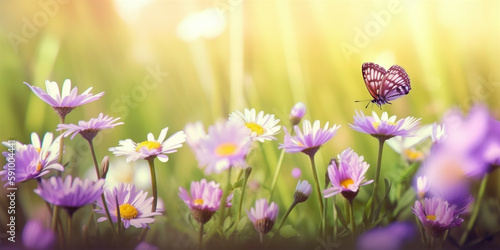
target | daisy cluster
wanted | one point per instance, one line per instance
(440, 164)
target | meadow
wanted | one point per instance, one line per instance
(174, 62)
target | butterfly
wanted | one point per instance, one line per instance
(385, 86)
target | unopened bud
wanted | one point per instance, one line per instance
(104, 167)
(298, 111)
(302, 191)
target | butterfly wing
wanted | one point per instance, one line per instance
(395, 84)
(373, 75)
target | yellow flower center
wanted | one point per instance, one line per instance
(128, 211)
(431, 217)
(226, 149)
(148, 144)
(198, 201)
(39, 167)
(259, 130)
(413, 155)
(38, 150)
(347, 182)
(376, 124)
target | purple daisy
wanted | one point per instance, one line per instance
(204, 200)
(134, 206)
(88, 130)
(263, 216)
(36, 236)
(69, 193)
(437, 216)
(383, 127)
(226, 145)
(347, 175)
(33, 160)
(310, 139)
(65, 101)
(151, 148)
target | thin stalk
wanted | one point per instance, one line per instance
(318, 191)
(70, 224)
(94, 158)
(151, 163)
(103, 198)
(445, 237)
(377, 177)
(240, 203)
(353, 224)
(222, 205)
(56, 209)
(277, 173)
(285, 216)
(118, 217)
(475, 213)
(335, 220)
(200, 237)
(61, 145)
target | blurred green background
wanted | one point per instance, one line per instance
(259, 54)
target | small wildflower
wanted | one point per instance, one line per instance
(134, 206)
(65, 101)
(310, 139)
(70, 194)
(151, 148)
(347, 175)
(263, 216)
(204, 200)
(88, 130)
(383, 127)
(261, 127)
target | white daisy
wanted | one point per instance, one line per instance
(262, 127)
(150, 148)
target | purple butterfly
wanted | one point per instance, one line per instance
(385, 86)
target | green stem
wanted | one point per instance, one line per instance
(103, 198)
(353, 224)
(61, 145)
(318, 191)
(151, 163)
(70, 224)
(56, 209)
(222, 205)
(335, 220)
(285, 216)
(94, 158)
(277, 173)
(200, 237)
(475, 213)
(119, 218)
(377, 177)
(240, 205)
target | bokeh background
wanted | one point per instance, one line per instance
(164, 63)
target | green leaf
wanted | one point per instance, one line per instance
(228, 225)
(242, 223)
(238, 184)
(288, 231)
(404, 201)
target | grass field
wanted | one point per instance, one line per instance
(266, 55)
